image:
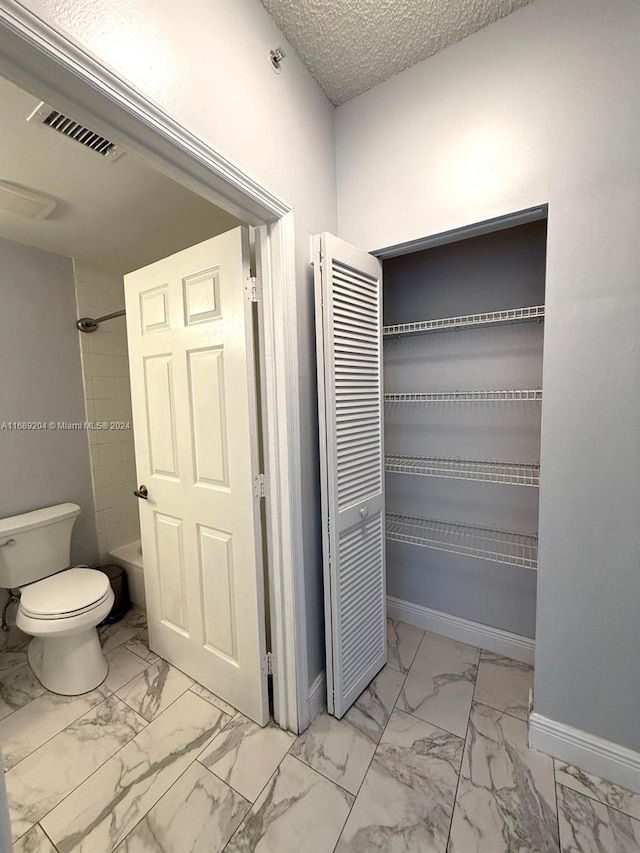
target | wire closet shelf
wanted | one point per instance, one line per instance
(478, 470)
(485, 543)
(488, 318)
(505, 396)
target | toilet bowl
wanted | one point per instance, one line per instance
(60, 607)
(61, 613)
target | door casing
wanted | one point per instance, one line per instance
(40, 58)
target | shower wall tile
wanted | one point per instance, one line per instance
(107, 385)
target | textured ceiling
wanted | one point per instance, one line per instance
(117, 215)
(351, 45)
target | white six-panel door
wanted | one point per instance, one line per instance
(191, 351)
(348, 285)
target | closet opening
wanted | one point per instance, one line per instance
(463, 341)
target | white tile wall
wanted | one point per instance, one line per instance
(105, 367)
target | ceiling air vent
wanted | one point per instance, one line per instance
(44, 114)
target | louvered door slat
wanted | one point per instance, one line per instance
(349, 329)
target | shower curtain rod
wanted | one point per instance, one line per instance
(87, 324)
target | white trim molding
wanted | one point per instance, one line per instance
(317, 696)
(32, 49)
(589, 752)
(464, 630)
(489, 226)
(40, 58)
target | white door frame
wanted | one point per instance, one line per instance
(41, 59)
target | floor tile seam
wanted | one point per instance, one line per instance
(377, 743)
(137, 654)
(12, 672)
(464, 748)
(210, 743)
(186, 770)
(186, 690)
(252, 804)
(594, 799)
(110, 849)
(555, 797)
(133, 828)
(315, 769)
(229, 785)
(14, 710)
(415, 654)
(223, 729)
(377, 746)
(399, 669)
(117, 753)
(265, 786)
(500, 711)
(435, 725)
(47, 837)
(121, 643)
(195, 683)
(520, 663)
(71, 723)
(130, 681)
(326, 778)
(414, 661)
(93, 772)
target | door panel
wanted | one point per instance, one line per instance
(160, 415)
(170, 557)
(206, 379)
(349, 337)
(191, 349)
(216, 572)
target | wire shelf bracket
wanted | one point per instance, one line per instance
(478, 470)
(445, 324)
(485, 543)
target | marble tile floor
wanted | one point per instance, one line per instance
(432, 758)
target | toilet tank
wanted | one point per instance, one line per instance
(36, 544)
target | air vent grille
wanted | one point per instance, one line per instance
(81, 134)
(61, 123)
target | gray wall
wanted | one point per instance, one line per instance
(489, 273)
(542, 106)
(41, 380)
(218, 55)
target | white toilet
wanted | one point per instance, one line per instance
(60, 607)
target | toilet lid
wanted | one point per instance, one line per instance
(68, 592)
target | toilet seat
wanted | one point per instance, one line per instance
(66, 594)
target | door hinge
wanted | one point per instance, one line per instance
(258, 486)
(269, 663)
(253, 288)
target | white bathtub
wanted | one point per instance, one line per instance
(130, 558)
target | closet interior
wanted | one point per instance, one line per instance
(463, 348)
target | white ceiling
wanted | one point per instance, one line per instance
(118, 215)
(352, 45)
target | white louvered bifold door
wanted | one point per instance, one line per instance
(348, 284)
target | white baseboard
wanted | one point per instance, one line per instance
(493, 639)
(586, 751)
(317, 695)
